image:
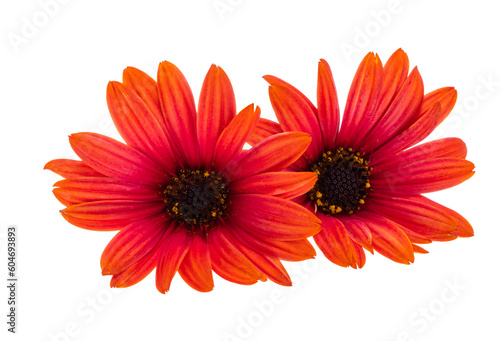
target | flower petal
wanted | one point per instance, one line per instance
(357, 231)
(400, 114)
(328, 105)
(269, 266)
(276, 81)
(388, 239)
(289, 250)
(228, 262)
(446, 97)
(358, 256)
(85, 189)
(216, 108)
(132, 243)
(138, 126)
(284, 185)
(413, 213)
(395, 72)
(175, 248)
(146, 88)
(196, 269)
(272, 218)
(110, 215)
(116, 160)
(275, 153)
(415, 133)
(233, 137)
(362, 100)
(450, 147)
(264, 129)
(177, 104)
(423, 176)
(294, 114)
(71, 168)
(333, 240)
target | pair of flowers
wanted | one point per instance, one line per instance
(187, 198)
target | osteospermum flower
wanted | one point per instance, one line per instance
(369, 189)
(181, 191)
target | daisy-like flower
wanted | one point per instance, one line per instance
(182, 193)
(370, 182)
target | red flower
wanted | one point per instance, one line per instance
(181, 191)
(368, 193)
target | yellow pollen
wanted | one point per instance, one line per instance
(319, 203)
(318, 194)
(361, 201)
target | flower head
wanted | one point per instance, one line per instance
(370, 182)
(182, 193)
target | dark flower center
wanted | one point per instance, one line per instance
(343, 181)
(196, 198)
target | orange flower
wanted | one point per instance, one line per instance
(181, 191)
(368, 193)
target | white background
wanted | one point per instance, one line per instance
(53, 82)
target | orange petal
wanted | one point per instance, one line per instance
(232, 139)
(333, 241)
(294, 114)
(71, 168)
(216, 108)
(284, 185)
(275, 153)
(446, 97)
(228, 262)
(85, 189)
(116, 160)
(139, 126)
(328, 105)
(110, 215)
(196, 269)
(273, 218)
(175, 248)
(388, 239)
(264, 129)
(177, 104)
(357, 231)
(362, 100)
(424, 176)
(132, 243)
(276, 81)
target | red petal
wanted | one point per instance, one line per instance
(276, 81)
(116, 160)
(196, 269)
(362, 100)
(228, 262)
(110, 215)
(400, 114)
(80, 190)
(294, 114)
(178, 108)
(414, 134)
(273, 218)
(418, 249)
(137, 271)
(424, 176)
(285, 185)
(388, 239)
(464, 228)
(232, 139)
(446, 97)
(132, 243)
(269, 266)
(357, 231)
(174, 250)
(294, 250)
(358, 256)
(264, 129)
(275, 153)
(216, 108)
(146, 88)
(450, 147)
(71, 168)
(333, 240)
(139, 126)
(413, 213)
(395, 72)
(328, 105)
